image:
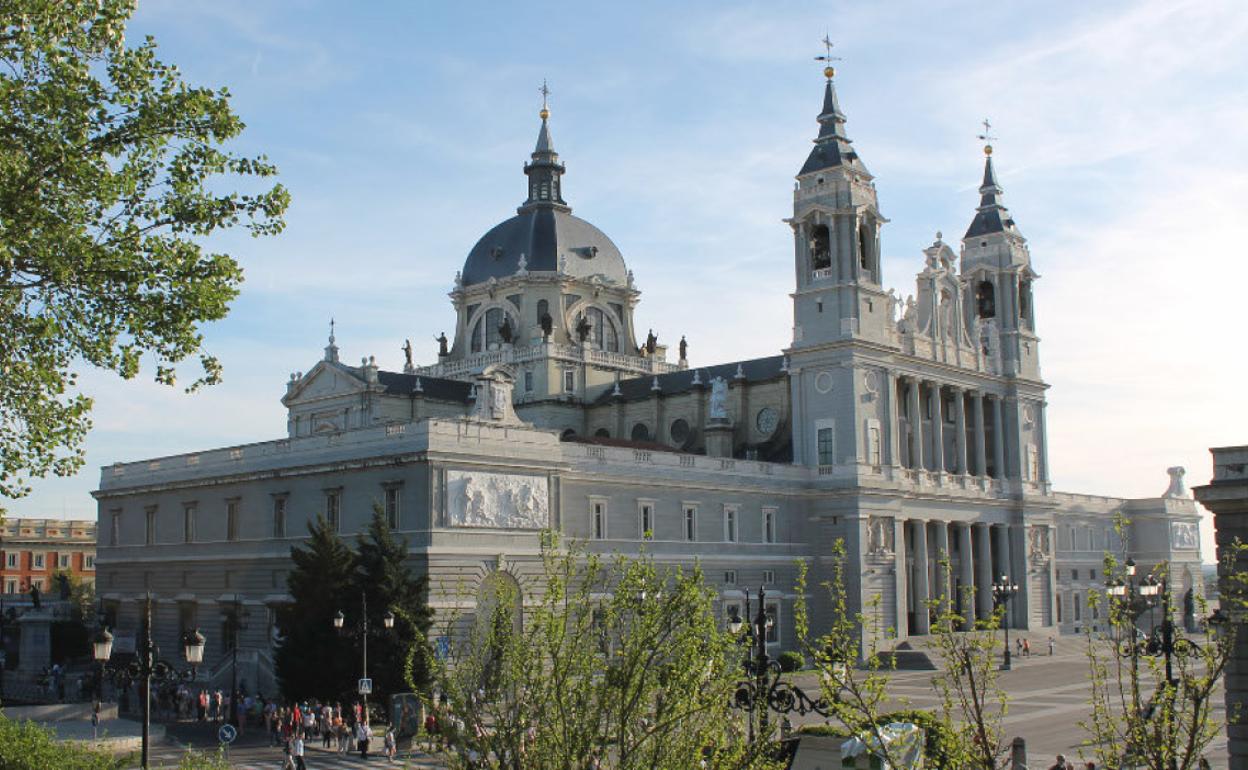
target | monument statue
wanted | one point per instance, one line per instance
(441, 340)
(34, 596)
(651, 342)
(504, 331)
(548, 325)
(719, 399)
(407, 353)
(1178, 489)
(583, 329)
(684, 349)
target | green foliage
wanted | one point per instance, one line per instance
(111, 179)
(624, 661)
(973, 703)
(791, 661)
(28, 746)
(311, 661)
(199, 760)
(941, 746)
(1139, 716)
(398, 659)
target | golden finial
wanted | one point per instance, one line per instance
(828, 71)
(545, 113)
(987, 138)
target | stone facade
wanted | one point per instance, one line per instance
(912, 430)
(1227, 496)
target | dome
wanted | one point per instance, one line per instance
(544, 235)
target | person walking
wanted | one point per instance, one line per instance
(1027, 648)
(362, 736)
(391, 743)
(1052, 646)
(296, 750)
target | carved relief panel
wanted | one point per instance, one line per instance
(496, 500)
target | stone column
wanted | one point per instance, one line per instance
(891, 418)
(938, 429)
(1002, 534)
(899, 568)
(916, 426)
(1227, 496)
(959, 438)
(998, 438)
(966, 593)
(922, 589)
(981, 461)
(983, 571)
(943, 570)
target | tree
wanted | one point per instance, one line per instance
(110, 184)
(623, 661)
(310, 660)
(1146, 713)
(399, 658)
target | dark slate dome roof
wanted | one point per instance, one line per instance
(543, 234)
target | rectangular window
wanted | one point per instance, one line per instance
(826, 448)
(114, 527)
(149, 532)
(231, 519)
(569, 380)
(773, 626)
(1091, 574)
(600, 519)
(691, 523)
(730, 577)
(62, 561)
(730, 524)
(1061, 600)
(1078, 608)
(88, 562)
(769, 525)
(38, 561)
(333, 509)
(11, 560)
(392, 507)
(769, 577)
(188, 524)
(645, 512)
(528, 381)
(10, 586)
(186, 617)
(37, 583)
(1074, 574)
(279, 516)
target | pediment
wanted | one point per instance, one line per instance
(324, 381)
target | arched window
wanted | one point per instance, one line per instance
(567, 435)
(864, 247)
(640, 432)
(602, 433)
(820, 248)
(543, 307)
(485, 334)
(1024, 299)
(985, 299)
(602, 332)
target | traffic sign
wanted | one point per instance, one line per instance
(366, 686)
(227, 733)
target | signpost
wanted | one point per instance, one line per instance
(226, 735)
(366, 686)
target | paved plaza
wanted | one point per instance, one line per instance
(1048, 699)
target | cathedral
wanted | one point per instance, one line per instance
(914, 430)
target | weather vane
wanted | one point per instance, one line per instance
(987, 138)
(545, 92)
(827, 57)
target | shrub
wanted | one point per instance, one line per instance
(791, 661)
(28, 746)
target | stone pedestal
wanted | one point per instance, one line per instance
(1227, 497)
(36, 641)
(719, 438)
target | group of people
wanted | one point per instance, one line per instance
(1022, 646)
(292, 727)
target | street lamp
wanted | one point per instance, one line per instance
(1002, 592)
(340, 620)
(146, 666)
(762, 691)
(235, 618)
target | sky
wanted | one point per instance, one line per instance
(401, 129)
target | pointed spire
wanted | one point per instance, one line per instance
(545, 170)
(991, 216)
(331, 350)
(832, 147)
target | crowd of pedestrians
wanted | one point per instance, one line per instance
(342, 731)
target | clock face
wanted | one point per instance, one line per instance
(767, 420)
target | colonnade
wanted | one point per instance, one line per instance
(918, 434)
(957, 562)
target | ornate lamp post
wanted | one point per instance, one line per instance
(235, 618)
(1002, 592)
(762, 691)
(146, 666)
(362, 629)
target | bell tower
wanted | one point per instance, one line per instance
(996, 267)
(836, 229)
